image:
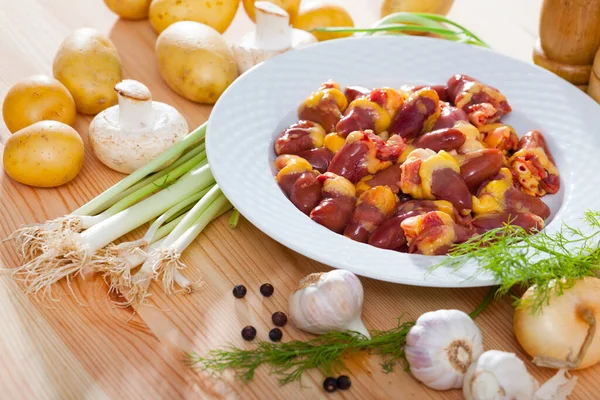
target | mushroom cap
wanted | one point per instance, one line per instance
(126, 151)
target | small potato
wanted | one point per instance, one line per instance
(129, 9)
(88, 64)
(195, 61)
(215, 13)
(426, 6)
(45, 154)
(323, 14)
(290, 6)
(37, 98)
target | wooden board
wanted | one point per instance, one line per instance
(85, 347)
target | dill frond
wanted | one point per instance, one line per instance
(550, 261)
(289, 360)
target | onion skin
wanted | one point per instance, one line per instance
(559, 328)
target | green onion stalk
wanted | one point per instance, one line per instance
(403, 23)
(32, 239)
(130, 255)
(176, 193)
(164, 261)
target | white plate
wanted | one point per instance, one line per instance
(257, 106)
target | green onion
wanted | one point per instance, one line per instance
(116, 226)
(151, 187)
(31, 239)
(401, 22)
(173, 212)
(97, 203)
(130, 255)
(386, 28)
(164, 261)
(176, 193)
(67, 253)
(234, 219)
(199, 149)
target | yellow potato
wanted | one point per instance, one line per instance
(428, 6)
(45, 154)
(37, 98)
(290, 6)
(215, 13)
(195, 61)
(323, 14)
(129, 9)
(88, 64)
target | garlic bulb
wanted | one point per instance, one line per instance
(559, 387)
(330, 301)
(441, 347)
(499, 375)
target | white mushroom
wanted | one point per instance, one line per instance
(273, 35)
(127, 136)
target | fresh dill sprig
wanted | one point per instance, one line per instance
(289, 360)
(550, 261)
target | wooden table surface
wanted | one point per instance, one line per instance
(85, 347)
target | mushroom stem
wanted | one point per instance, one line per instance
(570, 362)
(273, 31)
(135, 105)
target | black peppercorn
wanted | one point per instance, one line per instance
(266, 289)
(330, 384)
(239, 291)
(343, 382)
(279, 318)
(249, 333)
(275, 334)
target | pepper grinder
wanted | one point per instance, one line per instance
(594, 86)
(569, 38)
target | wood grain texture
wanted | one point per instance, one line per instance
(84, 347)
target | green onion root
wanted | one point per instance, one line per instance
(164, 262)
(130, 255)
(67, 253)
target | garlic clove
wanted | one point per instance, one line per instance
(357, 325)
(327, 302)
(499, 375)
(441, 347)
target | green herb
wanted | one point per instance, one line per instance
(289, 360)
(402, 22)
(486, 301)
(550, 261)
